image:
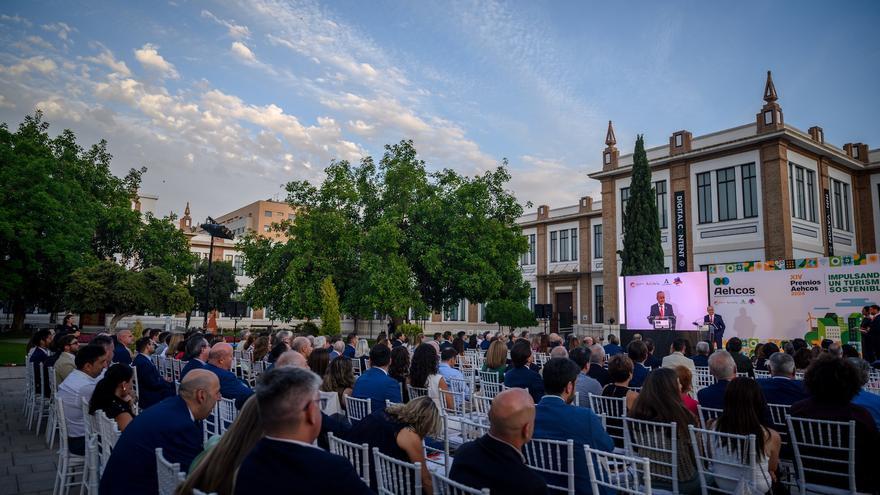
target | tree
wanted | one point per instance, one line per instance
(330, 322)
(108, 287)
(159, 243)
(642, 252)
(510, 314)
(223, 285)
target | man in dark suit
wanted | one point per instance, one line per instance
(285, 459)
(374, 383)
(152, 388)
(597, 359)
(638, 352)
(350, 345)
(398, 341)
(447, 340)
(495, 460)
(662, 310)
(718, 322)
(40, 355)
(121, 341)
(520, 376)
(197, 350)
(781, 387)
(723, 368)
(557, 419)
(173, 425)
(231, 386)
(743, 363)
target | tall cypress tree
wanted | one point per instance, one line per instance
(642, 253)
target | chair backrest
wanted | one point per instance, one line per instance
(416, 392)
(659, 443)
(491, 389)
(613, 409)
(762, 374)
(742, 374)
(53, 380)
(445, 486)
(726, 458)
(211, 424)
(176, 367)
(473, 428)
(109, 434)
(394, 477)
(489, 377)
(618, 472)
(357, 455)
(357, 409)
(554, 459)
(62, 423)
(356, 366)
(824, 452)
(134, 382)
(168, 474)
(330, 403)
(707, 414)
(778, 413)
(453, 402)
(704, 380)
(481, 404)
(227, 413)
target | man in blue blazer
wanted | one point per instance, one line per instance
(781, 387)
(152, 388)
(718, 322)
(197, 350)
(231, 387)
(173, 425)
(350, 345)
(285, 459)
(520, 376)
(723, 368)
(374, 383)
(638, 352)
(121, 341)
(557, 419)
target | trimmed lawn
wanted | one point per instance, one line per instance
(12, 351)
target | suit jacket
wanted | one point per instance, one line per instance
(40, 356)
(527, 379)
(668, 313)
(192, 364)
(779, 390)
(639, 375)
(349, 351)
(498, 466)
(131, 469)
(376, 385)
(713, 395)
(277, 466)
(121, 354)
(600, 374)
(701, 361)
(612, 349)
(718, 321)
(63, 366)
(231, 387)
(152, 388)
(556, 420)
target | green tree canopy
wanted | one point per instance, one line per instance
(510, 314)
(223, 285)
(330, 319)
(642, 252)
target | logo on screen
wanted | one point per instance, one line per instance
(722, 289)
(677, 281)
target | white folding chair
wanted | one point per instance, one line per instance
(168, 474)
(357, 409)
(473, 428)
(704, 379)
(211, 424)
(708, 414)
(227, 412)
(554, 459)
(445, 486)
(356, 366)
(491, 389)
(357, 455)
(778, 413)
(416, 392)
(29, 389)
(742, 374)
(394, 477)
(824, 450)
(618, 472)
(43, 403)
(92, 440)
(762, 374)
(614, 410)
(134, 383)
(726, 463)
(69, 466)
(52, 422)
(450, 431)
(659, 443)
(489, 377)
(109, 432)
(330, 403)
(481, 405)
(453, 402)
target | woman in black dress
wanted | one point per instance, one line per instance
(113, 395)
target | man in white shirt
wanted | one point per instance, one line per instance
(79, 384)
(454, 378)
(677, 358)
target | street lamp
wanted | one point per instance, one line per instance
(213, 229)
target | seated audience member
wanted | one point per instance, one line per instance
(303, 346)
(585, 384)
(213, 471)
(781, 387)
(558, 352)
(638, 352)
(320, 342)
(660, 402)
(723, 368)
(197, 350)
(802, 358)
(41, 342)
(686, 381)
(261, 348)
(850, 351)
(291, 359)
(231, 386)
(399, 368)
(453, 376)
(487, 341)
(318, 361)
(399, 431)
(557, 419)
(351, 342)
(286, 458)
(702, 357)
(173, 425)
(374, 383)
(424, 372)
(496, 359)
(652, 361)
(478, 463)
(112, 395)
(336, 349)
(597, 365)
(767, 350)
(80, 383)
(473, 342)
(869, 400)
(520, 376)
(121, 353)
(65, 362)
(573, 343)
(744, 407)
(677, 358)
(152, 388)
(162, 345)
(620, 372)
(613, 346)
(340, 378)
(832, 384)
(743, 363)
(555, 340)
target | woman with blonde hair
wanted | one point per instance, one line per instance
(261, 348)
(496, 359)
(173, 343)
(398, 431)
(214, 470)
(339, 378)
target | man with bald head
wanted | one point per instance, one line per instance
(172, 425)
(291, 359)
(303, 346)
(231, 387)
(495, 460)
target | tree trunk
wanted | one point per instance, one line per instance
(18, 313)
(116, 319)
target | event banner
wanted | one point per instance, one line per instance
(811, 298)
(679, 298)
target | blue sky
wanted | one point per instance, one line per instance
(224, 102)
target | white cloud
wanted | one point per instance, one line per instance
(57, 108)
(38, 42)
(15, 19)
(106, 58)
(148, 56)
(61, 29)
(242, 52)
(548, 181)
(235, 31)
(38, 64)
(4, 103)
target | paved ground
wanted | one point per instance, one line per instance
(27, 466)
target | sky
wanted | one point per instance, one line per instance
(224, 102)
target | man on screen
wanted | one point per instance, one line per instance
(662, 310)
(718, 322)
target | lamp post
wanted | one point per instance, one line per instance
(213, 229)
